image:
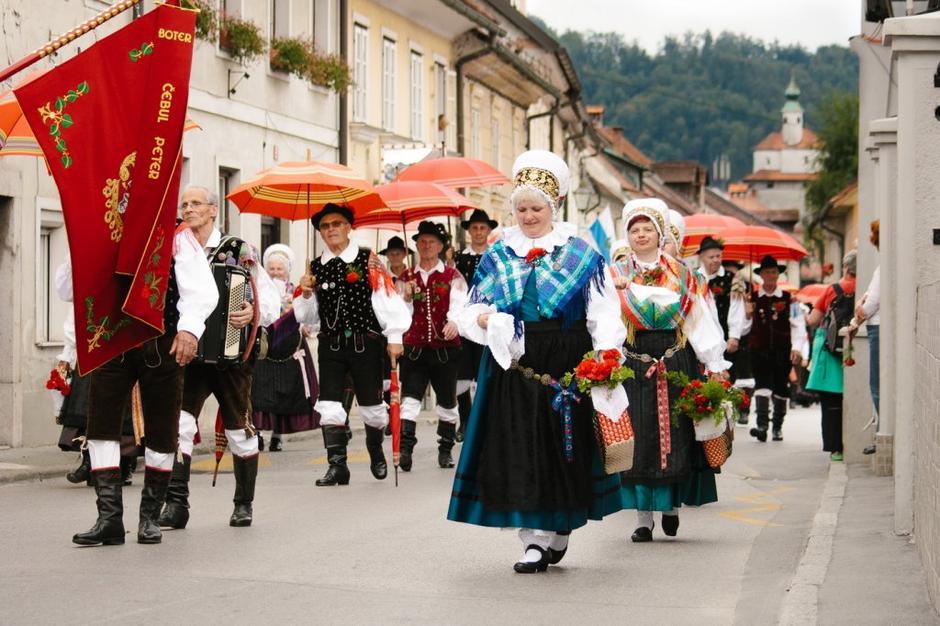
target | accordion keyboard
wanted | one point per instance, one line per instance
(237, 294)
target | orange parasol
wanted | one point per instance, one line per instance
(700, 225)
(297, 189)
(810, 293)
(412, 201)
(751, 243)
(454, 172)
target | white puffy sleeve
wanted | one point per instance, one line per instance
(706, 336)
(63, 280)
(499, 334)
(307, 312)
(69, 354)
(873, 295)
(738, 324)
(198, 293)
(604, 321)
(390, 309)
(458, 298)
(798, 338)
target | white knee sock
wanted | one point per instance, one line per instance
(558, 542)
(645, 519)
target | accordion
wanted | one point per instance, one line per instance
(221, 343)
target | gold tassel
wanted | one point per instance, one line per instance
(631, 332)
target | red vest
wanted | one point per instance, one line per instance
(431, 303)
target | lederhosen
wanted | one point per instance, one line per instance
(720, 288)
(429, 358)
(770, 343)
(230, 384)
(471, 353)
(350, 338)
(161, 385)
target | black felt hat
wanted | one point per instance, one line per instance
(479, 215)
(331, 208)
(395, 243)
(769, 263)
(710, 243)
(432, 228)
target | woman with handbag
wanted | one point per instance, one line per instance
(669, 328)
(539, 301)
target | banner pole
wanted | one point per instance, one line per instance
(68, 37)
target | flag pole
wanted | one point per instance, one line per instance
(67, 38)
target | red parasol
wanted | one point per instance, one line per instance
(454, 172)
(751, 243)
(394, 416)
(700, 225)
(221, 442)
(413, 201)
(810, 293)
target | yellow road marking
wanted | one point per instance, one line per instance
(225, 465)
(759, 499)
(355, 457)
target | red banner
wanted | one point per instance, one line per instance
(110, 123)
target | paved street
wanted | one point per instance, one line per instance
(371, 553)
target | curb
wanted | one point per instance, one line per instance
(801, 605)
(34, 473)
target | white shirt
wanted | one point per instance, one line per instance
(458, 291)
(390, 309)
(872, 302)
(738, 324)
(269, 297)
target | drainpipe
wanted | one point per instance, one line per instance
(344, 96)
(580, 135)
(551, 132)
(458, 67)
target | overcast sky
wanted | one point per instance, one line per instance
(811, 23)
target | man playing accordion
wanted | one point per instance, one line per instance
(229, 382)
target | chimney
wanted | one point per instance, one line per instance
(596, 113)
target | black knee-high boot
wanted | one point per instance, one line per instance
(464, 402)
(151, 501)
(82, 473)
(176, 512)
(109, 528)
(246, 472)
(762, 411)
(445, 443)
(335, 438)
(780, 411)
(374, 439)
(408, 441)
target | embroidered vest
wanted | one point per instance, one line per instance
(770, 327)
(720, 288)
(344, 295)
(171, 315)
(431, 303)
(467, 265)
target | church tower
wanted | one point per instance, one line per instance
(792, 115)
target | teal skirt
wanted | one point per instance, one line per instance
(698, 489)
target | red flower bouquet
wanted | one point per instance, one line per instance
(57, 383)
(597, 369)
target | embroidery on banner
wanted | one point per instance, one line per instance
(144, 50)
(100, 331)
(152, 289)
(53, 114)
(117, 192)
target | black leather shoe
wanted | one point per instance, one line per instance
(777, 434)
(377, 464)
(260, 442)
(275, 445)
(176, 510)
(151, 502)
(82, 473)
(446, 434)
(555, 556)
(334, 437)
(525, 567)
(246, 471)
(642, 534)
(760, 433)
(670, 525)
(408, 441)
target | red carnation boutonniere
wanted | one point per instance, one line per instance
(535, 254)
(717, 290)
(353, 274)
(779, 307)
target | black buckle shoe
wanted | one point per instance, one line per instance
(642, 534)
(275, 445)
(335, 475)
(527, 567)
(760, 433)
(670, 525)
(555, 556)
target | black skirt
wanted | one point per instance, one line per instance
(644, 415)
(522, 464)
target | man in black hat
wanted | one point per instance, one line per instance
(355, 304)
(436, 293)
(728, 296)
(478, 227)
(777, 341)
(395, 251)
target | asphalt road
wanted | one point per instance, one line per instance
(372, 553)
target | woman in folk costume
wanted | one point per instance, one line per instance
(540, 300)
(675, 232)
(669, 328)
(285, 386)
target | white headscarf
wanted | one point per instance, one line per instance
(676, 229)
(652, 208)
(541, 171)
(282, 251)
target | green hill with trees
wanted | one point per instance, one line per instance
(703, 96)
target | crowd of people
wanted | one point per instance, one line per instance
(492, 329)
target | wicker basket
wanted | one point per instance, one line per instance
(615, 442)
